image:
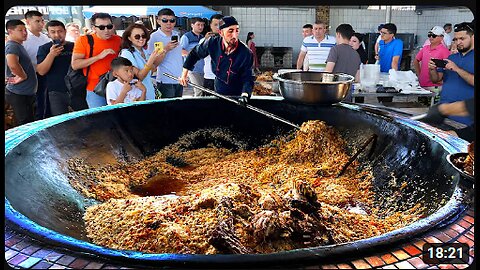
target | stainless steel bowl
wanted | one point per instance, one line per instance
(314, 87)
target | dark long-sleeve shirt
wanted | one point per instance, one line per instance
(234, 71)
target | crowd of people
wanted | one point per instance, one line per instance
(37, 63)
(452, 81)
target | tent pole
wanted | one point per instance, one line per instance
(153, 22)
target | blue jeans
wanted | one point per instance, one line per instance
(94, 100)
(170, 90)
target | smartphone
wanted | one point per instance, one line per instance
(440, 62)
(174, 38)
(158, 46)
(56, 42)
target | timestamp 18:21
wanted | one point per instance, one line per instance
(445, 253)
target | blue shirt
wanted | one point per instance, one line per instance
(454, 87)
(137, 60)
(234, 71)
(387, 51)
(188, 41)
(173, 61)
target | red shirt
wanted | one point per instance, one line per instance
(254, 51)
(101, 66)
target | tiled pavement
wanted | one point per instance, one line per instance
(24, 252)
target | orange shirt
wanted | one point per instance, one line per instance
(101, 66)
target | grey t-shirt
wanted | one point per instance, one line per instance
(346, 59)
(27, 87)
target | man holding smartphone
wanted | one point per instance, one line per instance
(436, 50)
(458, 74)
(173, 61)
(53, 59)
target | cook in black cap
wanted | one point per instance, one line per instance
(232, 61)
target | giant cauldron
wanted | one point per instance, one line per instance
(40, 201)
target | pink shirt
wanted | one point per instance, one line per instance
(427, 42)
(423, 56)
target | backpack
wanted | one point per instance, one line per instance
(75, 81)
(101, 87)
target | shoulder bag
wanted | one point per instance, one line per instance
(75, 81)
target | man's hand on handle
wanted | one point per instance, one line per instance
(433, 116)
(183, 79)
(243, 99)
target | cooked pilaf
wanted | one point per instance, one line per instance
(282, 196)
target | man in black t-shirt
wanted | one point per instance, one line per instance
(54, 59)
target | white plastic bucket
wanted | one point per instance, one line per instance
(369, 75)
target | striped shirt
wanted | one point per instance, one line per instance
(317, 52)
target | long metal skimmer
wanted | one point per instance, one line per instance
(248, 106)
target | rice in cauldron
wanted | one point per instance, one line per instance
(281, 196)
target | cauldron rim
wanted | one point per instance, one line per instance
(19, 134)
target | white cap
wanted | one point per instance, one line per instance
(437, 30)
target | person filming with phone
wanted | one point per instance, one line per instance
(458, 74)
(166, 38)
(53, 60)
(232, 61)
(435, 50)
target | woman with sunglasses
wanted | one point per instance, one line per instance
(134, 41)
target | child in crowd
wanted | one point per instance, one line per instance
(125, 88)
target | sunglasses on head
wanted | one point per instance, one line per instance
(102, 27)
(138, 36)
(167, 20)
(462, 27)
(432, 35)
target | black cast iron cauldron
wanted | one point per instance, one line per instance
(39, 200)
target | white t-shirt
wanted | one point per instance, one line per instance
(317, 52)
(32, 43)
(207, 67)
(139, 62)
(114, 89)
(447, 39)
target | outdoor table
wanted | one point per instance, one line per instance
(410, 93)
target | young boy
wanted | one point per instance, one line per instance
(124, 89)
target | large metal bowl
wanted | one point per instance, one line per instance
(314, 87)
